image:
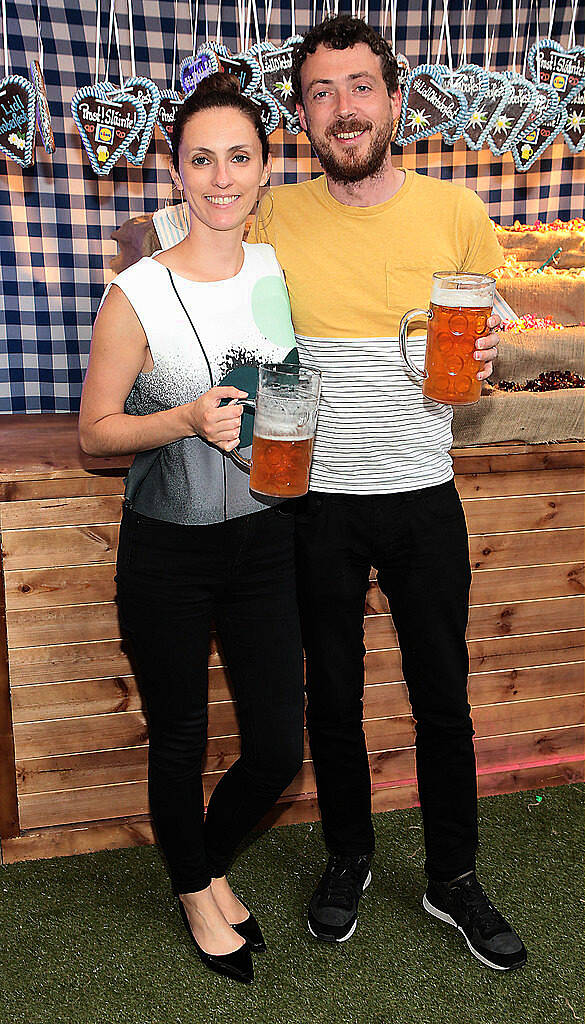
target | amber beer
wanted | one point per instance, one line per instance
(449, 364)
(459, 310)
(280, 466)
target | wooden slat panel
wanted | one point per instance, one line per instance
(47, 588)
(24, 490)
(538, 512)
(55, 772)
(512, 458)
(527, 583)
(541, 547)
(64, 662)
(83, 697)
(493, 620)
(513, 652)
(44, 512)
(489, 485)
(72, 624)
(69, 840)
(67, 545)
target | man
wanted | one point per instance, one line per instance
(358, 247)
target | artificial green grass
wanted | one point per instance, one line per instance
(97, 939)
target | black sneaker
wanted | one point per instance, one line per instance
(464, 904)
(333, 907)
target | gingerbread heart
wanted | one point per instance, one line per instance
(550, 63)
(528, 149)
(512, 118)
(403, 69)
(269, 110)
(277, 67)
(243, 67)
(170, 101)
(107, 123)
(574, 129)
(17, 119)
(194, 69)
(43, 112)
(472, 81)
(147, 93)
(484, 117)
(428, 106)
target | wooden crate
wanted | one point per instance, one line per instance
(73, 739)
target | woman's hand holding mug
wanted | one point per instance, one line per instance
(216, 423)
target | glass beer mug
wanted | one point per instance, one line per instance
(458, 315)
(286, 406)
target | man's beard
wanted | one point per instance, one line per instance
(349, 170)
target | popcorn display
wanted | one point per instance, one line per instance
(550, 380)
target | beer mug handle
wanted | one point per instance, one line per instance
(241, 460)
(413, 314)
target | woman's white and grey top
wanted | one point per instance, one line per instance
(242, 321)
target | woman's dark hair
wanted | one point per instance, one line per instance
(340, 33)
(218, 90)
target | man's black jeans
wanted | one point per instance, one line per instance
(418, 542)
(172, 580)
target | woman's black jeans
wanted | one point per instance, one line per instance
(173, 581)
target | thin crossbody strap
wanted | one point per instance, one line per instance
(171, 279)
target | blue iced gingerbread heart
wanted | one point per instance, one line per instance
(107, 123)
(574, 128)
(550, 63)
(269, 110)
(512, 118)
(242, 66)
(43, 112)
(472, 81)
(429, 106)
(486, 114)
(170, 101)
(147, 93)
(17, 119)
(198, 66)
(276, 66)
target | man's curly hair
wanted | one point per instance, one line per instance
(340, 33)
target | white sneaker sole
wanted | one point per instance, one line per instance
(430, 909)
(344, 938)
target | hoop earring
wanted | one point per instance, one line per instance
(170, 195)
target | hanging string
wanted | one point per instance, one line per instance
(259, 54)
(174, 76)
(117, 34)
(98, 30)
(248, 26)
(293, 20)
(268, 16)
(39, 40)
(110, 35)
(385, 18)
(430, 29)
(537, 43)
(525, 61)
(218, 25)
(314, 12)
(394, 16)
(448, 39)
(487, 36)
(572, 28)
(441, 37)
(494, 33)
(551, 18)
(131, 34)
(465, 12)
(514, 33)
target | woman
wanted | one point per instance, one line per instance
(194, 544)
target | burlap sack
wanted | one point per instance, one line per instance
(534, 247)
(522, 355)
(529, 417)
(562, 298)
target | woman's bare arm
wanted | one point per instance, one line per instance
(119, 351)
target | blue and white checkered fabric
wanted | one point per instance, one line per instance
(58, 217)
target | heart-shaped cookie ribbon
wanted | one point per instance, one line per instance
(17, 119)
(107, 123)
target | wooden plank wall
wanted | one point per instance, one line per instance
(79, 733)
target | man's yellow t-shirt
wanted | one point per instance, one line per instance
(352, 273)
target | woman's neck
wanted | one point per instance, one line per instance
(205, 254)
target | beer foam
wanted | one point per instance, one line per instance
(267, 435)
(456, 297)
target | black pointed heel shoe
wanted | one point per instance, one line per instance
(251, 932)
(237, 965)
